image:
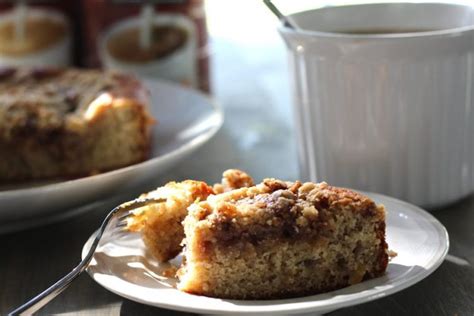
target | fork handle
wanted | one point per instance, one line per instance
(36, 303)
(33, 305)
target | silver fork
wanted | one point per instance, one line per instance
(115, 221)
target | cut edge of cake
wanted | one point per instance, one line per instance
(161, 224)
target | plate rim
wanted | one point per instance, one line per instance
(432, 266)
(212, 102)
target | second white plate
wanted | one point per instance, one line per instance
(124, 267)
(187, 119)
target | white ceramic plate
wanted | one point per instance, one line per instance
(187, 119)
(123, 267)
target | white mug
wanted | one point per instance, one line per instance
(391, 112)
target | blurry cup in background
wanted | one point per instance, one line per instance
(171, 55)
(153, 39)
(383, 98)
(45, 38)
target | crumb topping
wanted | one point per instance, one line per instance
(233, 179)
(279, 208)
(49, 100)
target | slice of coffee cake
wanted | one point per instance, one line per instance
(282, 239)
(63, 123)
(160, 224)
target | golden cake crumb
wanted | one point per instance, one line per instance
(170, 272)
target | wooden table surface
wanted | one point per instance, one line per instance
(250, 80)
